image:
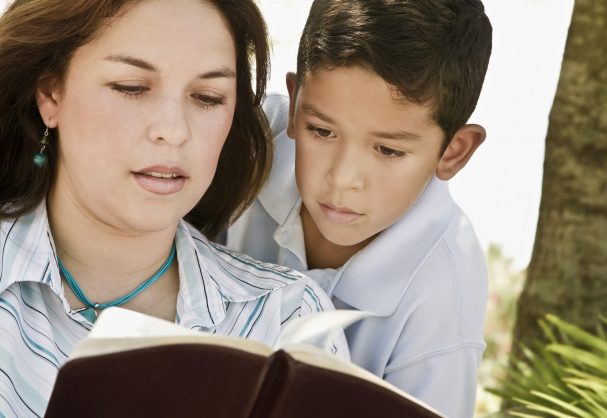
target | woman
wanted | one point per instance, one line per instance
(119, 118)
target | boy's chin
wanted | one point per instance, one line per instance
(347, 238)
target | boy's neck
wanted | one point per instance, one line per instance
(322, 253)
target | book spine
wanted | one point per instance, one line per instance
(278, 365)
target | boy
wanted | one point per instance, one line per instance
(378, 112)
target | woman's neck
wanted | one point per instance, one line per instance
(108, 263)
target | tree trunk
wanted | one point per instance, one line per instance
(567, 274)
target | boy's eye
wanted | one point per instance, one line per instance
(389, 152)
(128, 90)
(321, 132)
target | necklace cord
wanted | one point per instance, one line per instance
(122, 299)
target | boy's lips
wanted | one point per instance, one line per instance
(161, 180)
(339, 215)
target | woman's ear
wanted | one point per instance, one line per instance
(292, 89)
(459, 151)
(47, 98)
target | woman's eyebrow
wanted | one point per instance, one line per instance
(223, 72)
(220, 73)
(136, 62)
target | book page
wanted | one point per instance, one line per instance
(318, 328)
(119, 329)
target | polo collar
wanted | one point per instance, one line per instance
(28, 253)
(376, 278)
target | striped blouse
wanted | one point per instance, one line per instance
(220, 291)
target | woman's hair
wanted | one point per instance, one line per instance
(38, 39)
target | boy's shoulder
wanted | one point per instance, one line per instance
(279, 193)
(442, 234)
(276, 109)
(432, 245)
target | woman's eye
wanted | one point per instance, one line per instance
(389, 152)
(208, 102)
(321, 132)
(128, 90)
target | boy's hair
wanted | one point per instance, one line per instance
(431, 51)
(37, 41)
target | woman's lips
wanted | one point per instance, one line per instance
(341, 216)
(161, 179)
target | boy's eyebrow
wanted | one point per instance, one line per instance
(401, 135)
(312, 111)
(144, 65)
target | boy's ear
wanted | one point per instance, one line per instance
(292, 88)
(47, 99)
(463, 145)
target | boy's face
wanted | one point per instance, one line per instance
(363, 157)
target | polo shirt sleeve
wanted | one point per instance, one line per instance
(440, 346)
(446, 380)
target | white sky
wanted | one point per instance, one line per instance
(501, 186)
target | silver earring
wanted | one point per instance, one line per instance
(40, 158)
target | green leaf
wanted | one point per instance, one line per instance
(565, 405)
(561, 390)
(548, 333)
(551, 411)
(520, 414)
(564, 376)
(585, 375)
(598, 410)
(589, 383)
(579, 356)
(579, 334)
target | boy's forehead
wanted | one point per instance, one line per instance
(327, 89)
(322, 73)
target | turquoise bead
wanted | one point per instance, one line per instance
(90, 314)
(40, 159)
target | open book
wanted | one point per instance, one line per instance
(134, 365)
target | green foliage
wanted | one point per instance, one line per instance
(564, 376)
(505, 284)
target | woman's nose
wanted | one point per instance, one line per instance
(171, 123)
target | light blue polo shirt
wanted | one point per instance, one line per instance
(425, 278)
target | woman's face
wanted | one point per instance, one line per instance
(142, 114)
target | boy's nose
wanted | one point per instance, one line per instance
(346, 172)
(170, 123)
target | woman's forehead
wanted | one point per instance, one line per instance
(196, 34)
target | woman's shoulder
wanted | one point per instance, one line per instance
(234, 263)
